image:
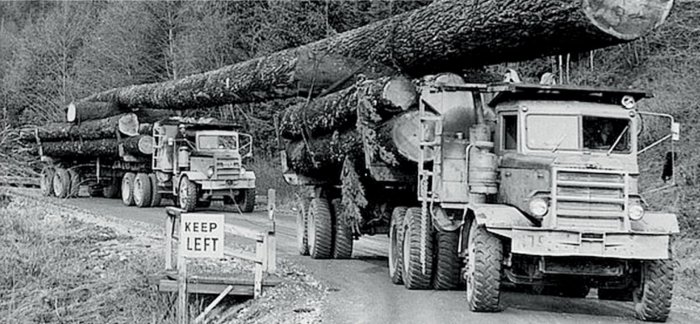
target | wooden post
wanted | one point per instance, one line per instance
(270, 239)
(258, 272)
(169, 227)
(213, 304)
(182, 317)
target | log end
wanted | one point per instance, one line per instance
(405, 136)
(146, 145)
(626, 19)
(71, 113)
(401, 92)
(129, 124)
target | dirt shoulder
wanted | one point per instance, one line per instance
(65, 264)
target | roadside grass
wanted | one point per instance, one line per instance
(54, 271)
(687, 269)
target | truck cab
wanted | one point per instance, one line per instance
(558, 200)
(201, 161)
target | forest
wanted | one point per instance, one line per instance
(53, 53)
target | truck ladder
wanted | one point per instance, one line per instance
(429, 174)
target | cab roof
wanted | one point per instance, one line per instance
(506, 91)
(518, 91)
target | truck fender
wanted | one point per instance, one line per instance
(192, 175)
(656, 223)
(495, 216)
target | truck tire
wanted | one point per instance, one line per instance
(483, 269)
(127, 191)
(652, 299)
(74, 183)
(187, 195)
(46, 182)
(155, 193)
(413, 275)
(111, 190)
(61, 183)
(448, 265)
(342, 246)
(142, 190)
(302, 233)
(320, 229)
(395, 244)
(247, 200)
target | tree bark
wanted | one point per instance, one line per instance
(147, 115)
(338, 111)
(82, 149)
(126, 124)
(323, 157)
(138, 145)
(448, 35)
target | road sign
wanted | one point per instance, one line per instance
(202, 235)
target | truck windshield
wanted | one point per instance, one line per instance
(571, 132)
(221, 142)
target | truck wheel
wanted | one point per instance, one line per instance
(320, 229)
(155, 194)
(142, 190)
(483, 269)
(447, 264)
(46, 183)
(395, 245)
(74, 183)
(652, 299)
(187, 195)
(247, 200)
(413, 275)
(302, 233)
(342, 247)
(128, 188)
(111, 190)
(61, 183)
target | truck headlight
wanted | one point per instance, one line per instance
(538, 206)
(636, 212)
(242, 171)
(210, 171)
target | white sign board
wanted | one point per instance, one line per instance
(202, 235)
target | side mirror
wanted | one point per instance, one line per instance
(667, 173)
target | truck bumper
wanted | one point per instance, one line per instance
(227, 184)
(544, 242)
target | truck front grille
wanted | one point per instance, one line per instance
(584, 199)
(227, 168)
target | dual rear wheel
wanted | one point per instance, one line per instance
(139, 189)
(322, 232)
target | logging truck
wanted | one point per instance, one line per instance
(188, 162)
(529, 186)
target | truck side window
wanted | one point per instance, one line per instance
(510, 132)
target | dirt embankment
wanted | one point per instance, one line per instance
(63, 265)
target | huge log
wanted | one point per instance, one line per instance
(395, 142)
(447, 35)
(77, 112)
(338, 111)
(141, 145)
(323, 157)
(107, 148)
(126, 124)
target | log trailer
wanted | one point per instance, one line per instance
(529, 185)
(191, 163)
